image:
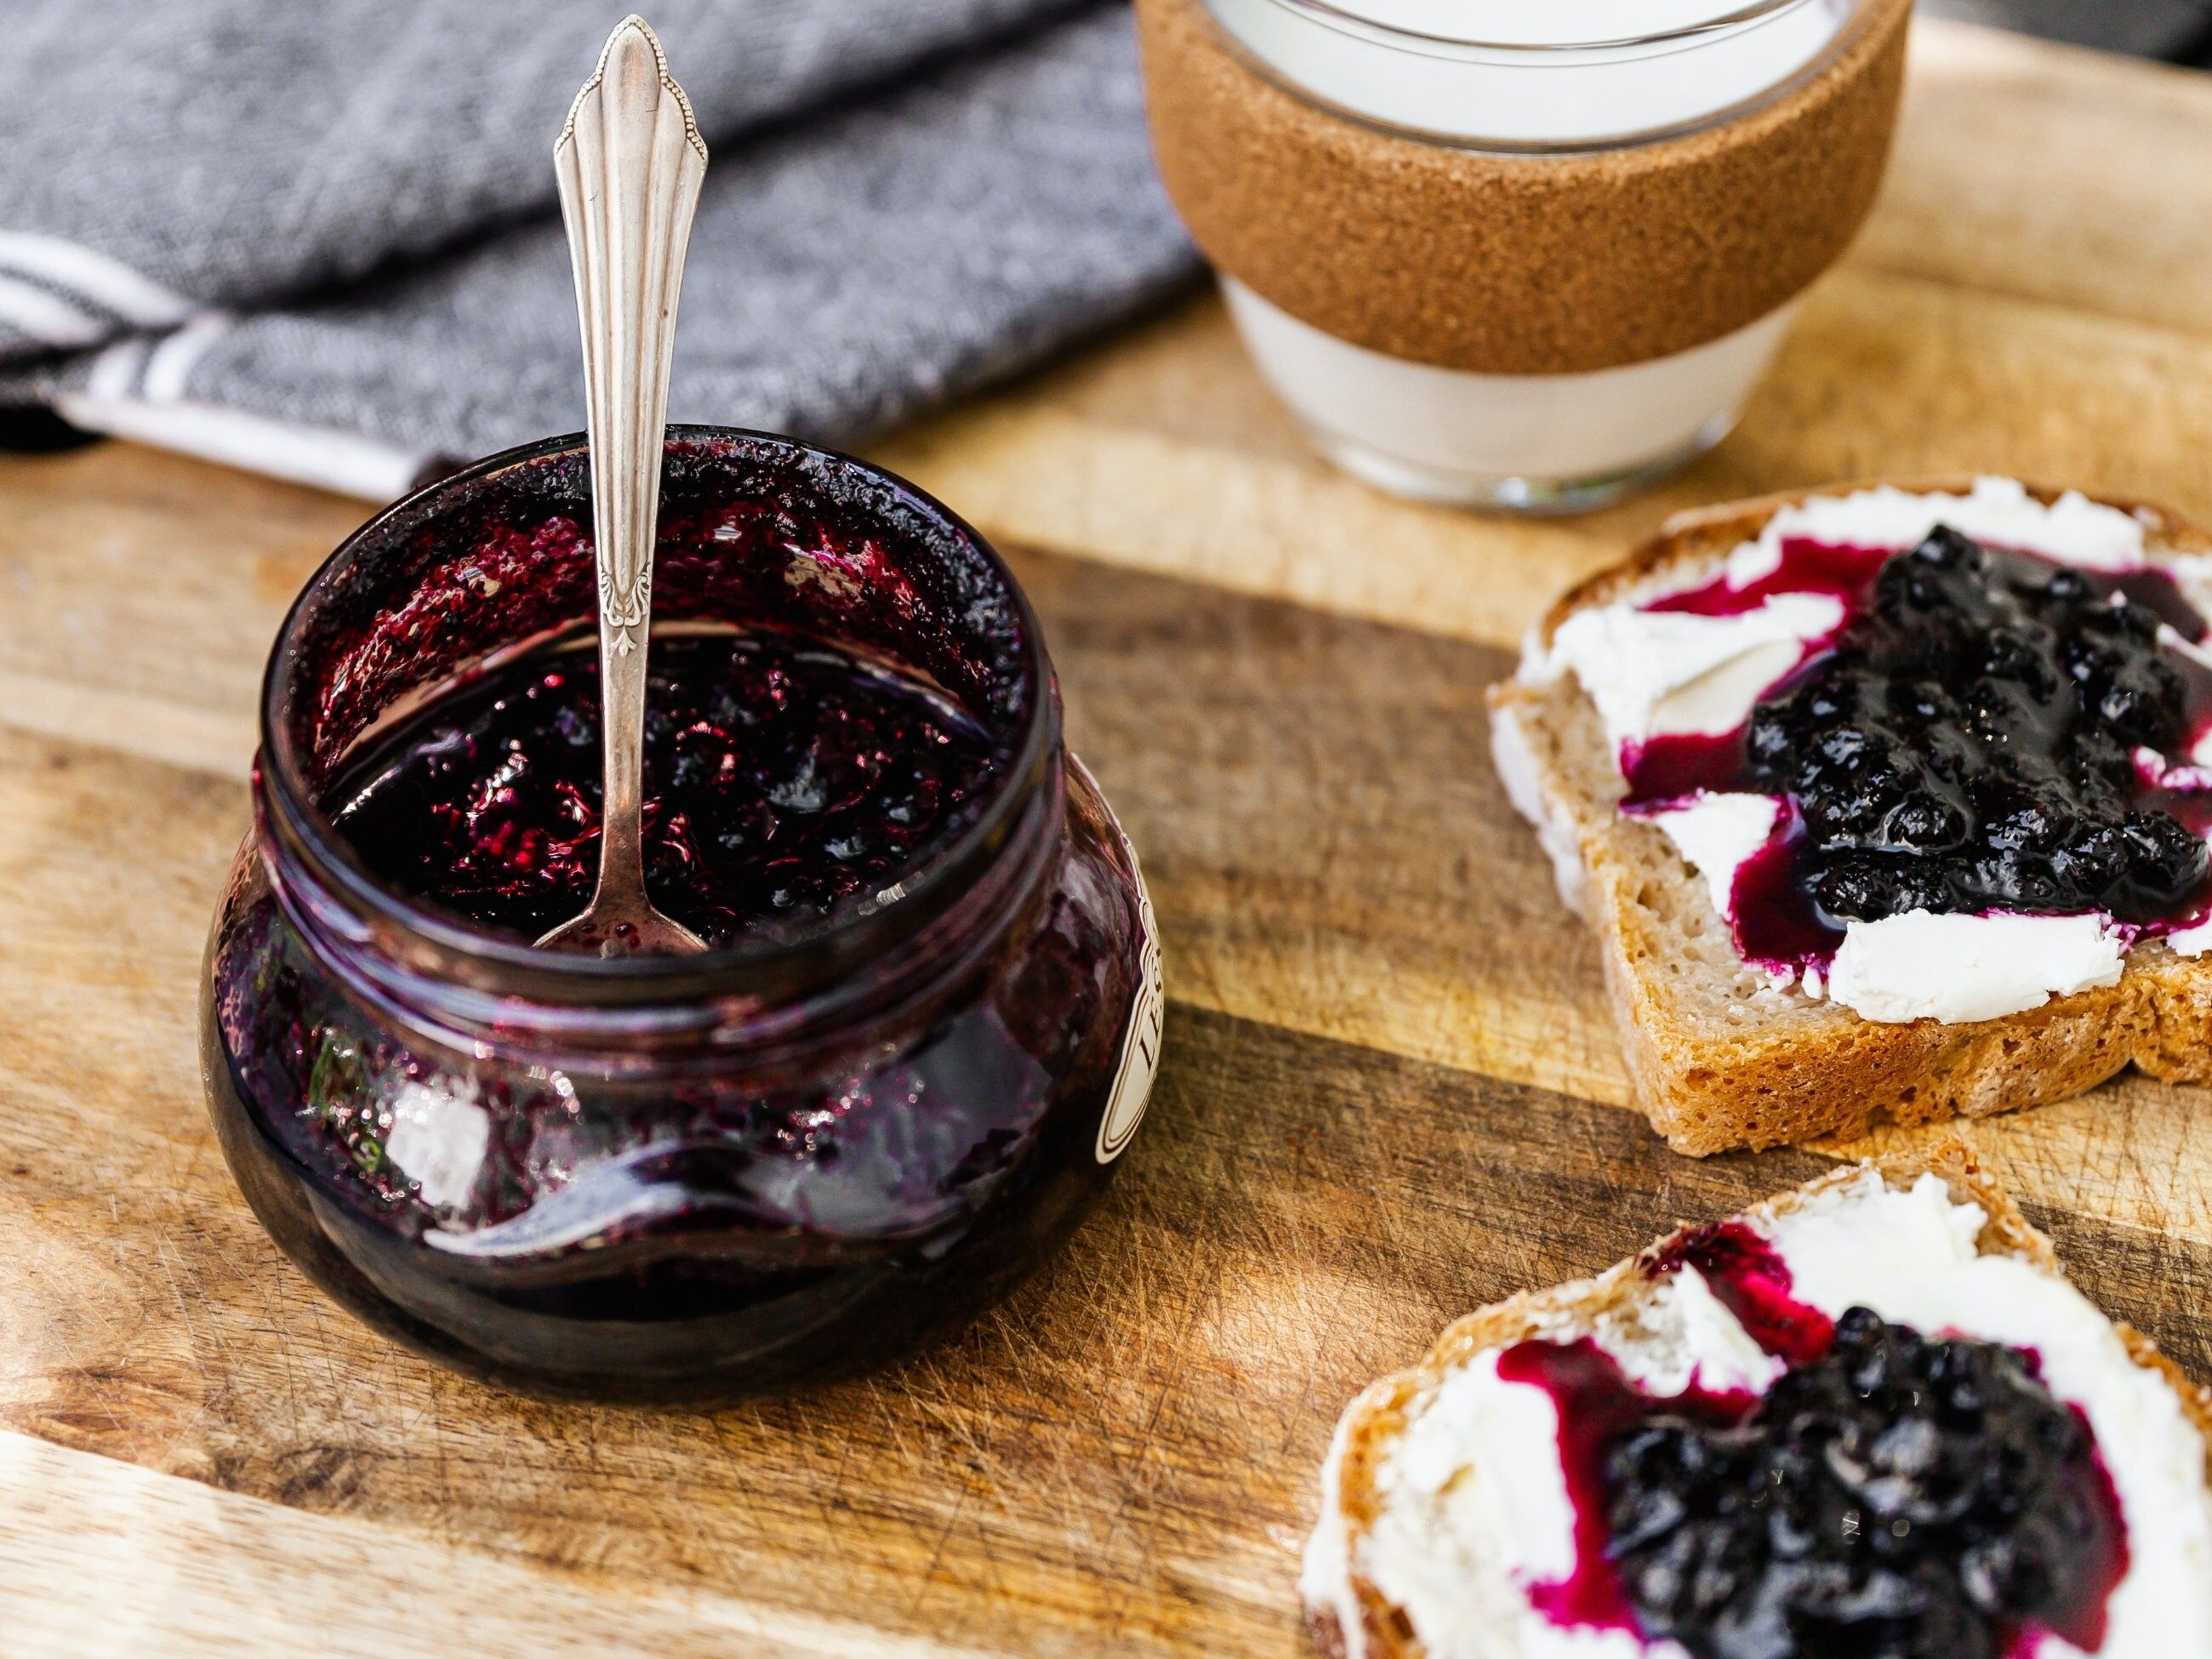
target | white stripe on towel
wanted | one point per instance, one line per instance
(106, 282)
(344, 462)
(170, 364)
(114, 373)
(46, 316)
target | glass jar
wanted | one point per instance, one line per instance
(675, 1179)
(1516, 256)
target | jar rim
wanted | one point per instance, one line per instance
(1350, 18)
(843, 936)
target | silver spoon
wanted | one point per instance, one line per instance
(630, 162)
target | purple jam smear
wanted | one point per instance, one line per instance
(1673, 766)
(1749, 1278)
(1966, 742)
(785, 777)
(1840, 571)
(1895, 1497)
(1597, 1406)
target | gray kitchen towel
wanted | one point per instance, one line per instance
(320, 241)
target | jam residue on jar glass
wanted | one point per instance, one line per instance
(926, 1021)
(1988, 730)
(1889, 1494)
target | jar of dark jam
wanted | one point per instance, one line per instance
(923, 1032)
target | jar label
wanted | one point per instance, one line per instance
(1141, 1047)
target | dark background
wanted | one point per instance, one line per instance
(2179, 31)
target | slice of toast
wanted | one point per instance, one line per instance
(1720, 1058)
(1350, 1617)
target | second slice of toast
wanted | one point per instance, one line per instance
(1429, 1544)
(1719, 1058)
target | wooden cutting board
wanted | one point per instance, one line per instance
(1389, 1091)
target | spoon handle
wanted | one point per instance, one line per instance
(629, 164)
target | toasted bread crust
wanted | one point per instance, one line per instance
(1808, 1075)
(1374, 1420)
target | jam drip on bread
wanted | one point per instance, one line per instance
(1989, 731)
(1890, 1496)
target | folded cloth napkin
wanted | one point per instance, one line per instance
(322, 241)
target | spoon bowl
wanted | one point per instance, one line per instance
(629, 928)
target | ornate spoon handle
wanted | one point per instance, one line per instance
(630, 162)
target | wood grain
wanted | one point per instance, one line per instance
(1385, 1094)
(142, 591)
(1120, 1457)
(1124, 1450)
(100, 1556)
(1326, 836)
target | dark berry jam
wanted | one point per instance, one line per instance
(1970, 741)
(1901, 1498)
(1776, 919)
(1896, 1497)
(785, 777)
(1968, 745)
(1673, 766)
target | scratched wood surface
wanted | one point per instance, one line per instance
(1390, 1092)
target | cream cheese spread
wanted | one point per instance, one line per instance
(1920, 966)
(1998, 511)
(2192, 941)
(1653, 672)
(1524, 787)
